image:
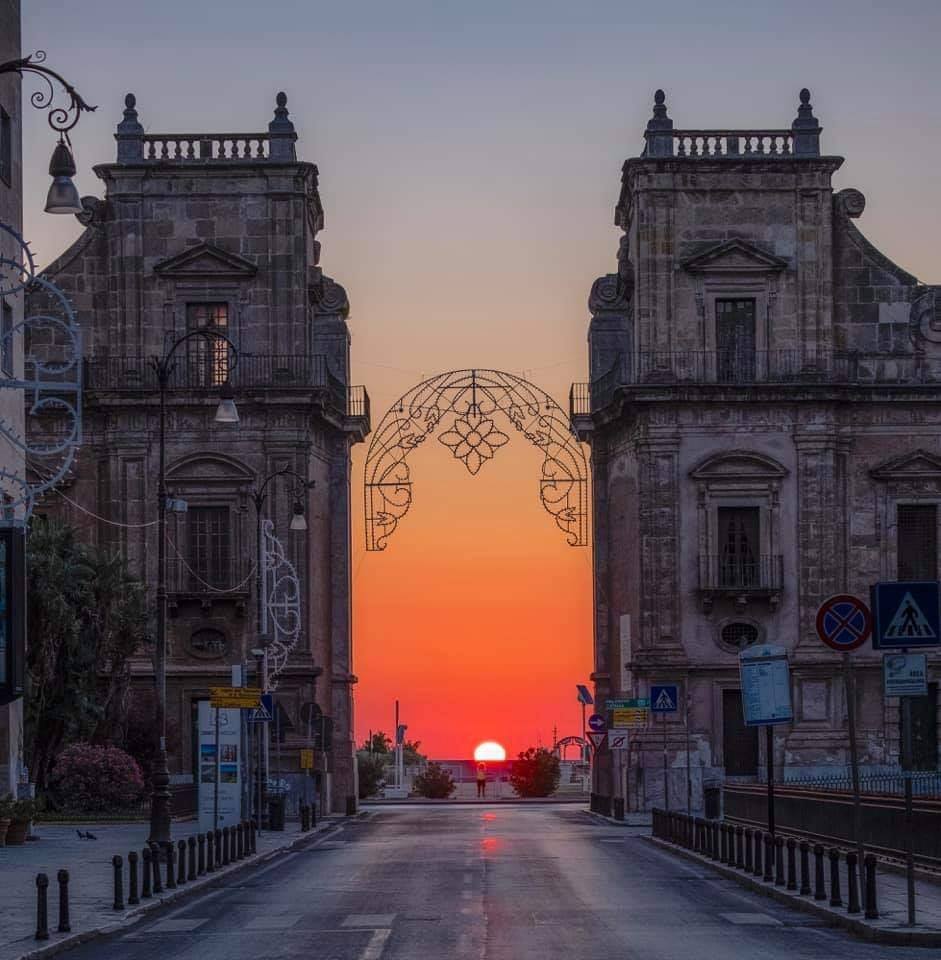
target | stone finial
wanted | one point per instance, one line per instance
(659, 134)
(130, 133)
(806, 128)
(281, 133)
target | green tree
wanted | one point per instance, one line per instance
(535, 773)
(377, 743)
(435, 782)
(86, 616)
(372, 772)
(411, 752)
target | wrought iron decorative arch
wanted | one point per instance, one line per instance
(466, 409)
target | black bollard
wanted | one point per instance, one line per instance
(118, 863)
(872, 911)
(181, 863)
(191, 848)
(852, 881)
(253, 829)
(132, 897)
(820, 891)
(791, 864)
(769, 858)
(218, 835)
(779, 861)
(239, 841)
(225, 846)
(758, 844)
(714, 849)
(313, 815)
(805, 889)
(201, 863)
(233, 853)
(210, 852)
(64, 924)
(155, 867)
(835, 899)
(170, 853)
(42, 915)
(145, 874)
(749, 863)
(739, 848)
(723, 844)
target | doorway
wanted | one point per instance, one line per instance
(739, 743)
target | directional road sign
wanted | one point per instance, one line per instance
(664, 698)
(245, 697)
(844, 622)
(264, 712)
(584, 694)
(597, 739)
(906, 614)
(628, 714)
(906, 674)
(766, 685)
(597, 723)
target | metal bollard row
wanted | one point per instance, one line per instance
(772, 859)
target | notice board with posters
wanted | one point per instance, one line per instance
(222, 766)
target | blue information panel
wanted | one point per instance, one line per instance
(664, 698)
(766, 686)
(906, 614)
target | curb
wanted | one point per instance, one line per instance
(508, 801)
(200, 885)
(611, 822)
(860, 928)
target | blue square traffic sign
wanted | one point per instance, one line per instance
(906, 614)
(664, 698)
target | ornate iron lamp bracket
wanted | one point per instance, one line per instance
(61, 118)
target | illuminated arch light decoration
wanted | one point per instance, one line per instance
(473, 413)
(282, 606)
(51, 384)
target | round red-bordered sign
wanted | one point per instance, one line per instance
(844, 622)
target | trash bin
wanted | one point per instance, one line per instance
(276, 813)
(712, 800)
(619, 808)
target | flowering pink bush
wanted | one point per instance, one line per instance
(92, 778)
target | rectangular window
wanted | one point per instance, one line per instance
(6, 339)
(6, 148)
(917, 526)
(208, 359)
(739, 559)
(210, 548)
(735, 341)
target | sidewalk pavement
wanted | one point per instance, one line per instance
(891, 900)
(91, 879)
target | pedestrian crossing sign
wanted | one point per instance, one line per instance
(906, 614)
(663, 698)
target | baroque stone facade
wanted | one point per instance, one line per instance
(220, 230)
(765, 428)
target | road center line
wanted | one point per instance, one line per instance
(376, 945)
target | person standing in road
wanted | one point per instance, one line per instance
(481, 780)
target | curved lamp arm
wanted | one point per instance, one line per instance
(164, 366)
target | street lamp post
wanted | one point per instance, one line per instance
(226, 412)
(298, 523)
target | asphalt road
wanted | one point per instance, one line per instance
(500, 883)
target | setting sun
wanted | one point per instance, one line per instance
(490, 750)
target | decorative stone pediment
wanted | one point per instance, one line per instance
(211, 467)
(206, 261)
(918, 465)
(738, 464)
(734, 256)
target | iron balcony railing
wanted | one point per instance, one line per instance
(740, 574)
(222, 577)
(747, 368)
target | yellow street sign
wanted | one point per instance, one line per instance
(244, 698)
(307, 759)
(628, 718)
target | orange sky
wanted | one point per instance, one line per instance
(469, 161)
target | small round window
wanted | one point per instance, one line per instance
(739, 634)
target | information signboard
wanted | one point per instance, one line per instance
(905, 674)
(628, 714)
(766, 685)
(219, 767)
(235, 697)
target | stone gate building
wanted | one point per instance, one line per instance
(764, 416)
(220, 230)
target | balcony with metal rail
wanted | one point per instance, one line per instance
(740, 578)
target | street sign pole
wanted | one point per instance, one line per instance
(849, 685)
(907, 761)
(215, 789)
(689, 779)
(769, 748)
(666, 777)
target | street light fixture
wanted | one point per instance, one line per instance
(63, 196)
(298, 520)
(225, 413)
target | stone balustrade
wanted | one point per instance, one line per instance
(733, 143)
(199, 147)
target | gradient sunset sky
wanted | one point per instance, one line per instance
(470, 159)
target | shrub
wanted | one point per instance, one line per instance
(90, 778)
(372, 771)
(435, 783)
(535, 773)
